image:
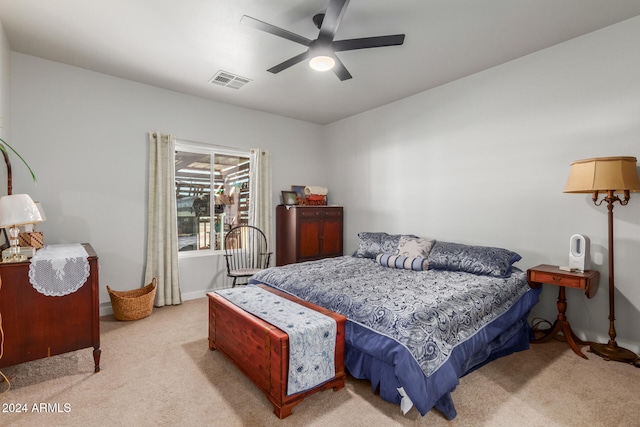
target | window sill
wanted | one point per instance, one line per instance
(199, 254)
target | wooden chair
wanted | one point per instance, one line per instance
(246, 252)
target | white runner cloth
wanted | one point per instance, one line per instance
(58, 270)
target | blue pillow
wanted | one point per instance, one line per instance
(404, 262)
(480, 260)
(372, 244)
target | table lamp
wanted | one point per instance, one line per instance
(607, 175)
(16, 210)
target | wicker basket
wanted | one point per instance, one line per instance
(135, 304)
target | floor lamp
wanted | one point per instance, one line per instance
(607, 175)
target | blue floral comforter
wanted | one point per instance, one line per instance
(415, 331)
(428, 312)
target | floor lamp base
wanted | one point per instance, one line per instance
(612, 351)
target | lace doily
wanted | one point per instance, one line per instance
(58, 270)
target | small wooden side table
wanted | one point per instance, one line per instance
(552, 275)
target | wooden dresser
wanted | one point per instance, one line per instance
(307, 233)
(37, 326)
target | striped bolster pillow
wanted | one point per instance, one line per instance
(400, 261)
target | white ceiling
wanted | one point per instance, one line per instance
(181, 44)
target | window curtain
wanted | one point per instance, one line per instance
(260, 202)
(162, 229)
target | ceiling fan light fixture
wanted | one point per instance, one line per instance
(322, 63)
(321, 51)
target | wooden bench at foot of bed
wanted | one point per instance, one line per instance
(261, 351)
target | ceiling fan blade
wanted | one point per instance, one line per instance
(272, 29)
(289, 62)
(368, 42)
(340, 70)
(332, 19)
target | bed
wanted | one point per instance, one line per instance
(421, 314)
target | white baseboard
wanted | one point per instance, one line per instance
(106, 309)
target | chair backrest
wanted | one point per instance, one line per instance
(246, 248)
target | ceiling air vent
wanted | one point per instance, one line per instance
(233, 81)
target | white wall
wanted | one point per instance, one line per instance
(484, 160)
(84, 134)
(5, 99)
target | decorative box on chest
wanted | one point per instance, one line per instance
(34, 239)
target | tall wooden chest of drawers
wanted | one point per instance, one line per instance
(307, 233)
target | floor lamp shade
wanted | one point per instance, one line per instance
(607, 175)
(603, 174)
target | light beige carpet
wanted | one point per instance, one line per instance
(159, 371)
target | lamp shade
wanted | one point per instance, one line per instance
(41, 210)
(18, 209)
(603, 174)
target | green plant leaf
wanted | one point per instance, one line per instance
(4, 150)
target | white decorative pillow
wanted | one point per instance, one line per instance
(399, 261)
(414, 246)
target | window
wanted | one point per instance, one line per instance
(209, 204)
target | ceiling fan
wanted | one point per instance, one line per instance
(321, 51)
